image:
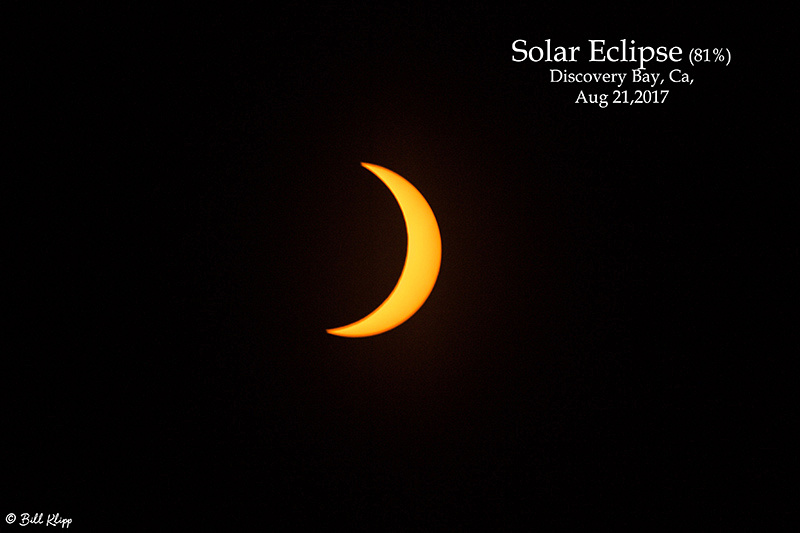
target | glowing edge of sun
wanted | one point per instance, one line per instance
(423, 259)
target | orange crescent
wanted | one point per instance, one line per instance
(423, 259)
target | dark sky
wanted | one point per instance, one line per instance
(607, 339)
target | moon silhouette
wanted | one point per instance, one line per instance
(423, 259)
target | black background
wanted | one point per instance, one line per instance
(606, 343)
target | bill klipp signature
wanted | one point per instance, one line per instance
(26, 519)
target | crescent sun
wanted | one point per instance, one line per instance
(423, 259)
